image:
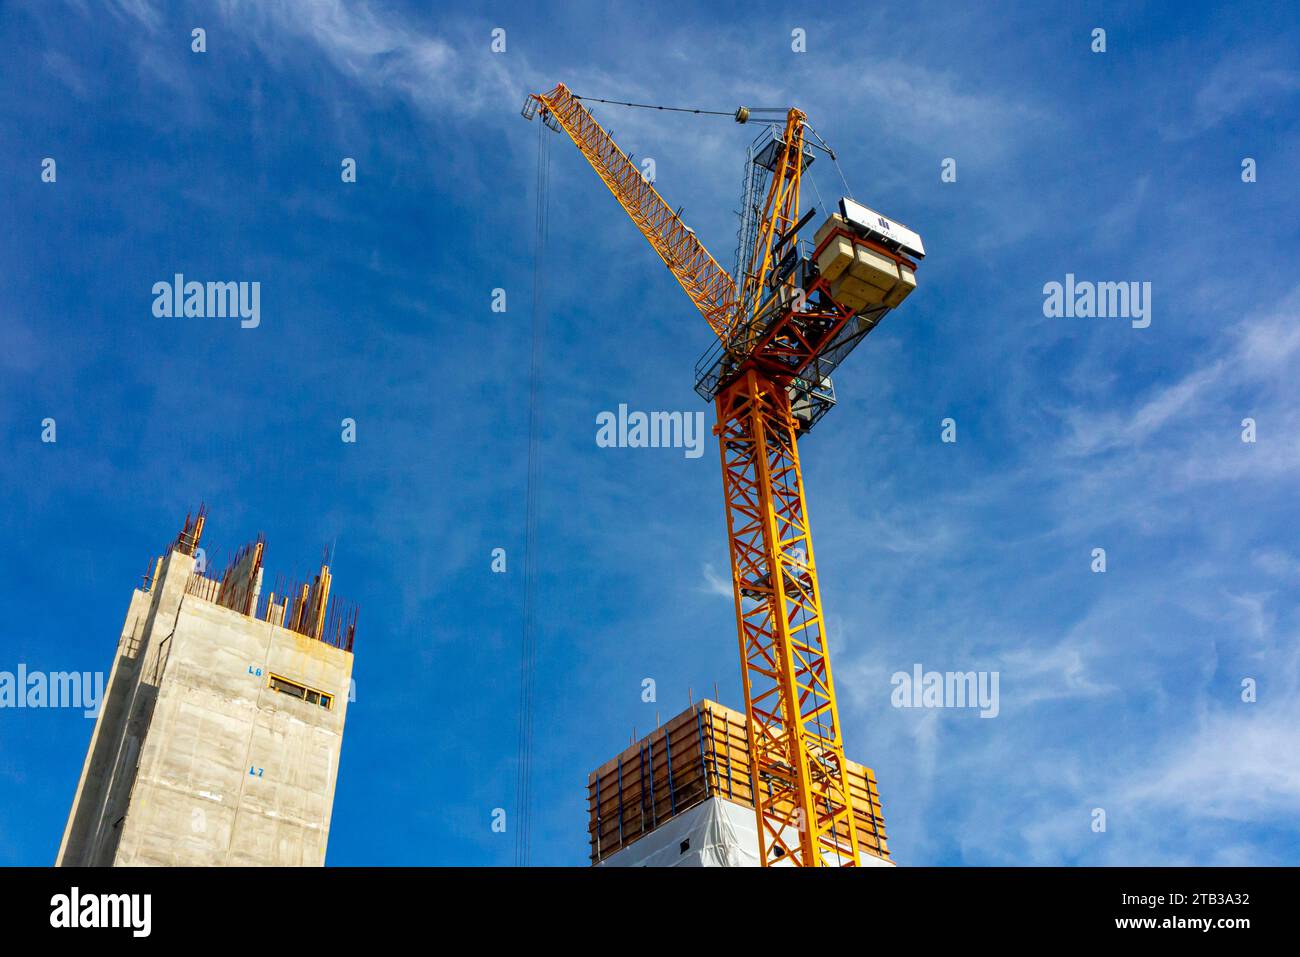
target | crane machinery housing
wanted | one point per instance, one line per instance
(784, 320)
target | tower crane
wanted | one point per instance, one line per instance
(790, 313)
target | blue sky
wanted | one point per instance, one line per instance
(1119, 690)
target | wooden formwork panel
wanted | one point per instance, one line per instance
(701, 753)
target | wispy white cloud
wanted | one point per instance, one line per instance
(451, 72)
(1278, 563)
(1260, 355)
(1248, 81)
(1242, 767)
(143, 12)
(716, 584)
(1052, 673)
(67, 72)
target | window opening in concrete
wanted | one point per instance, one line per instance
(310, 695)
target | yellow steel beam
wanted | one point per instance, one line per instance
(707, 284)
(780, 213)
(802, 800)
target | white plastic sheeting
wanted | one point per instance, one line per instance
(715, 833)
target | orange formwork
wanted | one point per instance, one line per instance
(699, 754)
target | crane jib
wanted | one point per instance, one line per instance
(706, 283)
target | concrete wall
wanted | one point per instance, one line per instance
(195, 759)
(233, 772)
(99, 806)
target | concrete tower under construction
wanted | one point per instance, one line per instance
(219, 736)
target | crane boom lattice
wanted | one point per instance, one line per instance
(706, 283)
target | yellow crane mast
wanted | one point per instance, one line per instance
(783, 323)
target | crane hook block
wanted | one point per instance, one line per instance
(742, 114)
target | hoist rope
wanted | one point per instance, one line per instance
(813, 179)
(834, 159)
(528, 643)
(843, 179)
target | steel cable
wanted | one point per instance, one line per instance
(528, 651)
